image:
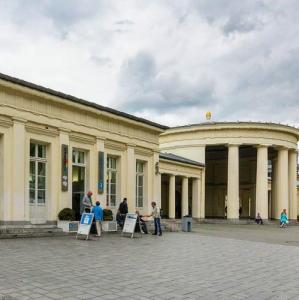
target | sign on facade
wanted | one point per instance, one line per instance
(101, 172)
(64, 167)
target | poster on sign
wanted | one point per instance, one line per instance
(130, 223)
(85, 224)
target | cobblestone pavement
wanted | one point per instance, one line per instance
(174, 266)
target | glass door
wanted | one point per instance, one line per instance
(78, 182)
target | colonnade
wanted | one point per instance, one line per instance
(284, 182)
(283, 186)
(198, 199)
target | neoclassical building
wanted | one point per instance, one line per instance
(55, 147)
(237, 157)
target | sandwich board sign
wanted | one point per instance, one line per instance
(85, 224)
(130, 224)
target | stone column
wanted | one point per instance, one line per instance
(233, 182)
(282, 182)
(293, 184)
(185, 196)
(19, 158)
(196, 198)
(171, 206)
(262, 182)
(274, 189)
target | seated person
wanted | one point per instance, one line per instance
(142, 223)
(120, 219)
(258, 219)
(284, 218)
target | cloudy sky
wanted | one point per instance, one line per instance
(169, 61)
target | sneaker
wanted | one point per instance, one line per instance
(160, 233)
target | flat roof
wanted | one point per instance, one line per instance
(203, 124)
(78, 100)
(174, 157)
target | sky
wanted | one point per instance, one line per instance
(169, 61)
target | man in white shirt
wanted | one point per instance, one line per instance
(157, 218)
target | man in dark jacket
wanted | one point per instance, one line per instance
(121, 213)
(123, 207)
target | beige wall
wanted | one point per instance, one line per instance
(27, 115)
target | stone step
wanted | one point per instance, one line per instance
(30, 231)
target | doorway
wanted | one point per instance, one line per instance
(78, 181)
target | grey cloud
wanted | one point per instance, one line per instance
(144, 85)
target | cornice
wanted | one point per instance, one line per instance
(80, 138)
(48, 131)
(5, 122)
(114, 145)
(143, 151)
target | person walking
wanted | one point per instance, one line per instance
(157, 218)
(99, 216)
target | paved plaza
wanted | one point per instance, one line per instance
(215, 262)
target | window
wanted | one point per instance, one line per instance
(37, 174)
(78, 157)
(111, 181)
(139, 184)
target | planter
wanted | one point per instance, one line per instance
(109, 226)
(68, 226)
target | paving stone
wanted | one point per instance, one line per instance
(178, 266)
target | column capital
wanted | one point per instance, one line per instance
(292, 150)
(262, 146)
(233, 145)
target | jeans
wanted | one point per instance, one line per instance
(157, 226)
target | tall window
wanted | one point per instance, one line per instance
(139, 184)
(37, 176)
(111, 181)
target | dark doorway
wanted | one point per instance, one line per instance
(78, 184)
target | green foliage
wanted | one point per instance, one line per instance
(66, 214)
(108, 215)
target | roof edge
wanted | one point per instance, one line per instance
(74, 99)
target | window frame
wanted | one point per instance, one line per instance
(111, 172)
(139, 174)
(37, 161)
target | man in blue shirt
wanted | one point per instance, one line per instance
(98, 216)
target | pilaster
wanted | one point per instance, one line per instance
(18, 170)
(131, 178)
